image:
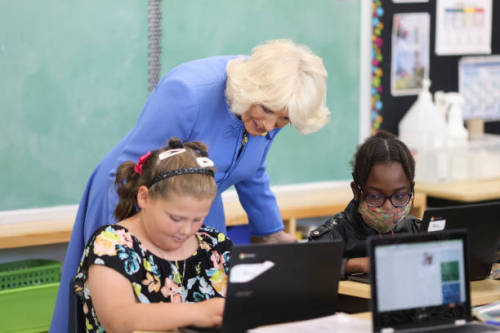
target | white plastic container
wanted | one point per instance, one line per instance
(457, 134)
(476, 160)
(457, 139)
(423, 129)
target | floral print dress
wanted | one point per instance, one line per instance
(153, 279)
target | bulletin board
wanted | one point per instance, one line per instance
(387, 109)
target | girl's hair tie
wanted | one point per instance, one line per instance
(143, 159)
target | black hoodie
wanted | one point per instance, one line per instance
(349, 227)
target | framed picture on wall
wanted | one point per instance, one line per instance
(410, 52)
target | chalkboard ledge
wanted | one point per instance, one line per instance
(298, 201)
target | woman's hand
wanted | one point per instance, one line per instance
(209, 313)
(357, 265)
(277, 237)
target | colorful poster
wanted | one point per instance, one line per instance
(463, 27)
(410, 52)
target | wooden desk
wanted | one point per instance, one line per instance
(466, 191)
(294, 202)
(482, 292)
(362, 315)
(354, 289)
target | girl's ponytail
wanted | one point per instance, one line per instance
(127, 186)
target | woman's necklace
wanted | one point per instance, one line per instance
(243, 142)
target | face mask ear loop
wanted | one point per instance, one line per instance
(358, 201)
(412, 188)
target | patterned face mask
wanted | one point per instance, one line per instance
(380, 219)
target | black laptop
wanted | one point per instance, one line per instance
(482, 221)
(276, 283)
(419, 283)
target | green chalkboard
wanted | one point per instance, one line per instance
(73, 80)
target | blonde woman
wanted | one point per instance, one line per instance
(236, 105)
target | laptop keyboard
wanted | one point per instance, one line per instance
(471, 327)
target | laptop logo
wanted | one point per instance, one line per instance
(244, 293)
(244, 256)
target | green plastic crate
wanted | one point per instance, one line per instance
(28, 292)
(26, 273)
(27, 310)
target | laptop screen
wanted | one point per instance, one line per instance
(483, 233)
(418, 275)
(419, 280)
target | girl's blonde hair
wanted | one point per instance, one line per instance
(281, 75)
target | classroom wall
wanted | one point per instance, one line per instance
(443, 69)
(74, 80)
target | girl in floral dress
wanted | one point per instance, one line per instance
(158, 268)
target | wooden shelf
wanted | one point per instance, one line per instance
(303, 203)
(466, 191)
(482, 292)
(35, 233)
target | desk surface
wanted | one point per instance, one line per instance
(466, 191)
(361, 315)
(482, 292)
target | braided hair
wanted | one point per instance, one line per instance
(382, 147)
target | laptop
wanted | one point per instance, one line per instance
(482, 221)
(420, 283)
(276, 283)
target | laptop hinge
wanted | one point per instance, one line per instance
(460, 322)
(387, 330)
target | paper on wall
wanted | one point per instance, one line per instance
(463, 27)
(479, 84)
(410, 52)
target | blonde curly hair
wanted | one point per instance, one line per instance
(280, 75)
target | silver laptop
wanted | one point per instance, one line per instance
(420, 283)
